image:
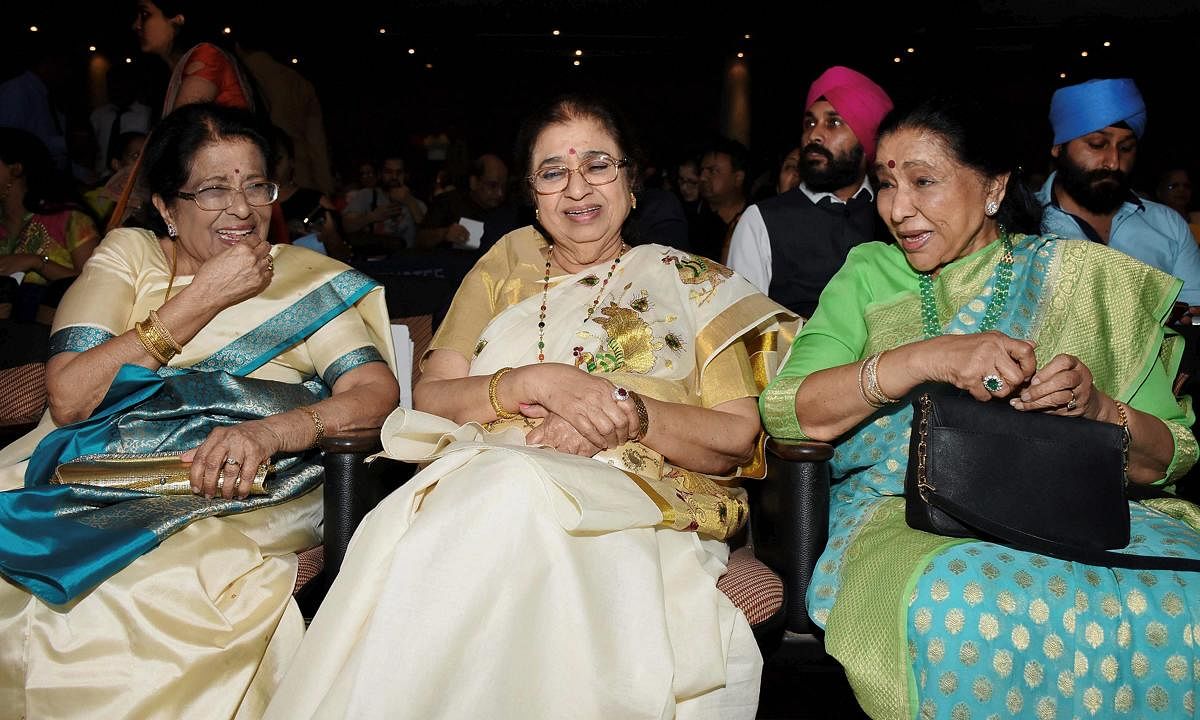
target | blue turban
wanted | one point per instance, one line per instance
(1077, 110)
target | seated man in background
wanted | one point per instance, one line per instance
(389, 209)
(484, 202)
(1097, 127)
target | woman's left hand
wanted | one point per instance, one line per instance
(238, 450)
(1063, 387)
(559, 434)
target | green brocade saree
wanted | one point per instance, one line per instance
(934, 627)
(58, 541)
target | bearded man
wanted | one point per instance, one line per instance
(1097, 127)
(789, 246)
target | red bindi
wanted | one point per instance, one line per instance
(572, 151)
(891, 163)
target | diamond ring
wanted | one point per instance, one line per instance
(992, 383)
(620, 394)
(231, 461)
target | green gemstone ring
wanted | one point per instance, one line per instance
(993, 383)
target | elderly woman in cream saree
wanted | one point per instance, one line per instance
(510, 580)
(120, 603)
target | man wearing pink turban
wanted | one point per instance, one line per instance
(790, 245)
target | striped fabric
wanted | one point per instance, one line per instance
(22, 393)
(311, 562)
(751, 586)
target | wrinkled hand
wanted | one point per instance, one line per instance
(583, 400)
(236, 273)
(964, 360)
(557, 433)
(1063, 387)
(248, 445)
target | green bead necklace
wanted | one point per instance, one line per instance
(991, 316)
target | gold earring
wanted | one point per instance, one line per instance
(633, 199)
(537, 214)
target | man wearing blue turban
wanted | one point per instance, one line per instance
(1097, 126)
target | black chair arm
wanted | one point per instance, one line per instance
(343, 459)
(789, 518)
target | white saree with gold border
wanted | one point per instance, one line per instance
(506, 581)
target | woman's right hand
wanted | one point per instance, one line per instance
(236, 273)
(583, 400)
(965, 360)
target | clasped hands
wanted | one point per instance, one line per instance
(993, 365)
(580, 413)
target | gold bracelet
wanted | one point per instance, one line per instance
(150, 340)
(643, 416)
(501, 413)
(862, 388)
(873, 389)
(318, 425)
(1128, 436)
(164, 332)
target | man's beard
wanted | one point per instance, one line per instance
(838, 172)
(1097, 191)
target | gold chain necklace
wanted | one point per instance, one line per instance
(546, 290)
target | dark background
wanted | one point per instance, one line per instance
(665, 63)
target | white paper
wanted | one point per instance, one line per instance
(19, 276)
(404, 363)
(475, 228)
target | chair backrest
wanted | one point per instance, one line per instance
(411, 336)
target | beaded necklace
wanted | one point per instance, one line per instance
(991, 316)
(546, 289)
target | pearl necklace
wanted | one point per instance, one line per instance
(991, 315)
(546, 290)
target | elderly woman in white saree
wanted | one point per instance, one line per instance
(202, 341)
(587, 406)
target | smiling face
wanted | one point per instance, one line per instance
(933, 204)
(587, 217)
(155, 31)
(204, 233)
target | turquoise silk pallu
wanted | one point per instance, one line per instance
(58, 541)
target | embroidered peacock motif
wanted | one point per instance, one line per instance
(697, 270)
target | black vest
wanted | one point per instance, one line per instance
(809, 243)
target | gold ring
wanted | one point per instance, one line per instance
(1073, 402)
(231, 461)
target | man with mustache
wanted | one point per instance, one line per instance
(789, 246)
(1097, 126)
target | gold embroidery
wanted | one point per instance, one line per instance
(1039, 611)
(1052, 646)
(1093, 699)
(1020, 637)
(1094, 635)
(630, 340)
(968, 654)
(1177, 668)
(955, 621)
(1123, 701)
(1109, 667)
(1066, 683)
(989, 627)
(948, 682)
(696, 270)
(1014, 701)
(1140, 665)
(1033, 673)
(1002, 663)
(936, 651)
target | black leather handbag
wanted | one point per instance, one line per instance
(1042, 483)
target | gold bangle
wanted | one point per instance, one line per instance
(501, 413)
(165, 333)
(873, 390)
(151, 342)
(318, 425)
(643, 416)
(862, 388)
(1128, 436)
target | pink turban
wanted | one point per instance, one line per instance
(860, 102)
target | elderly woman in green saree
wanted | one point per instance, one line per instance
(196, 338)
(936, 627)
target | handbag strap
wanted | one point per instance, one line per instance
(1035, 543)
